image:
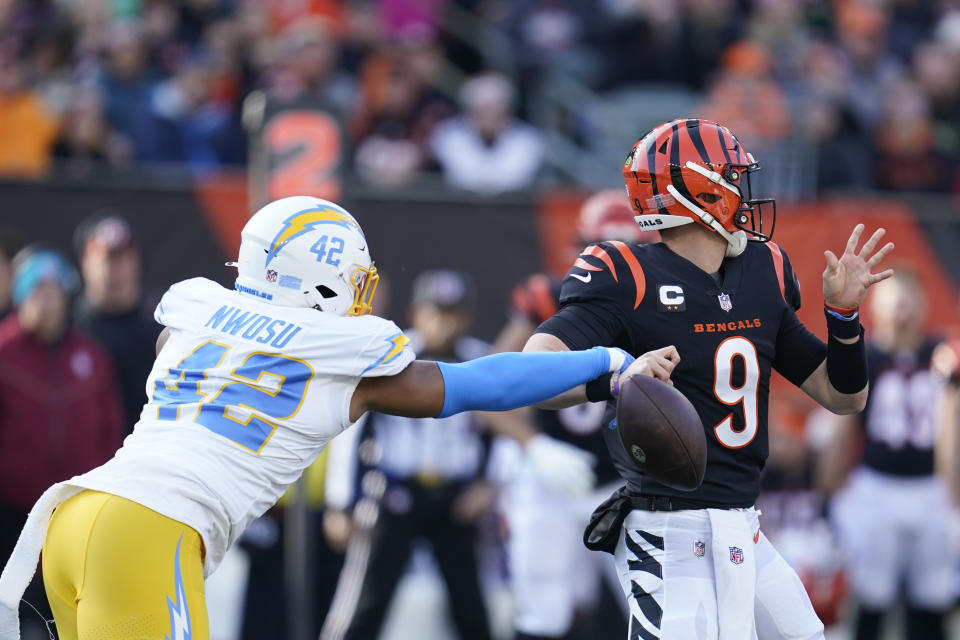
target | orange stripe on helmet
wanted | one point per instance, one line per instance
(598, 252)
(542, 298)
(778, 265)
(635, 270)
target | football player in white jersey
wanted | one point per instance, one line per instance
(247, 388)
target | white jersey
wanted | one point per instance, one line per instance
(242, 398)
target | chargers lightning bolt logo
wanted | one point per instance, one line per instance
(397, 342)
(303, 221)
(179, 614)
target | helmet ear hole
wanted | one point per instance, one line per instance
(326, 291)
(708, 198)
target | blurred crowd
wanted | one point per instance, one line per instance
(864, 93)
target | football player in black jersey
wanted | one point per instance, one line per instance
(555, 578)
(906, 543)
(712, 313)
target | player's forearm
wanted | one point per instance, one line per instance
(840, 383)
(569, 398)
(545, 342)
(509, 380)
(819, 387)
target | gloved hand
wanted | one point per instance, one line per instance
(564, 468)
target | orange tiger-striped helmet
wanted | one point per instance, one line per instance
(692, 170)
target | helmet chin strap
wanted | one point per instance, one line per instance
(736, 242)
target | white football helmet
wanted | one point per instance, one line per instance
(306, 252)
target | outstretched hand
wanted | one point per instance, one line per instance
(847, 278)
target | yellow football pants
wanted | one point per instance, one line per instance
(114, 570)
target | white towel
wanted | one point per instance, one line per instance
(23, 561)
(735, 567)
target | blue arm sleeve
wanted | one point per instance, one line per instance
(506, 381)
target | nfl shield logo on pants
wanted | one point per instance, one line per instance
(699, 548)
(725, 303)
(736, 555)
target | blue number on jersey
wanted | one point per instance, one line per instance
(181, 384)
(320, 248)
(287, 376)
(286, 384)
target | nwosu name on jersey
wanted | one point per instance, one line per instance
(900, 418)
(730, 331)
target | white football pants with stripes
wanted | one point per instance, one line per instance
(709, 574)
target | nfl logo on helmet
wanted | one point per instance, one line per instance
(736, 555)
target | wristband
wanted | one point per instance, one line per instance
(601, 389)
(842, 323)
(848, 312)
(847, 364)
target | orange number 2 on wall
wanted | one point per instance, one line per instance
(305, 148)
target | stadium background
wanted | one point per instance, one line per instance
(186, 115)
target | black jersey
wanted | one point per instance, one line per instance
(900, 422)
(537, 299)
(730, 332)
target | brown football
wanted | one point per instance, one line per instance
(662, 433)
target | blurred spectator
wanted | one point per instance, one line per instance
(746, 98)
(938, 74)
(487, 149)
(87, 142)
(190, 127)
(305, 66)
(415, 478)
(7, 251)
(840, 142)
(127, 86)
(906, 156)
(398, 111)
(640, 41)
(844, 160)
(861, 31)
(27, 128)
(111, 307)
(48, 55)
(707, 28)
(904, 549)
(60, 412)
(174, 75)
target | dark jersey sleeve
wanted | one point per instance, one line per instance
(791, 284)
(590, 302)
(798, 352)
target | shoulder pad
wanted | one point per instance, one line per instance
(605, 271)
(786, 278)
(387, 352)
